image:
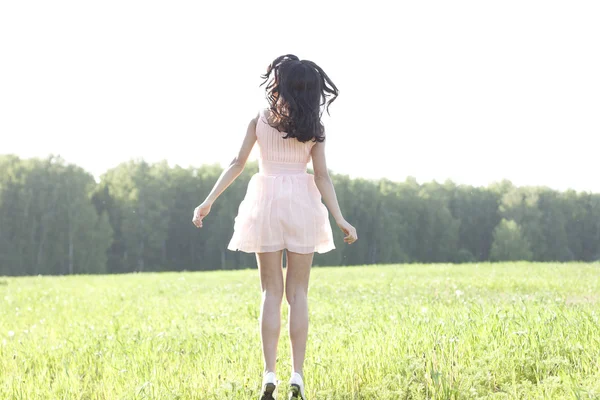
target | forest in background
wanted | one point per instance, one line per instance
(56, 219)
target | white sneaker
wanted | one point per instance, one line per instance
(296, 387)
(268, 386)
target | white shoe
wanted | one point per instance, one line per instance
(268, 386)
(296, 387)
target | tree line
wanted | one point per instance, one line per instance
(56, 219)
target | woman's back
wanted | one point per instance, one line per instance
(275, 149)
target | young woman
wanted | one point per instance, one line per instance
(282, 209)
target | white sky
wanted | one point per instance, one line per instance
(474, 91)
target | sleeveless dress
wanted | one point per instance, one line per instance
(282, 208)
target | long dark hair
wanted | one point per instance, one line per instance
(296, 91)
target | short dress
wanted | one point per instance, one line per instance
(282, 208)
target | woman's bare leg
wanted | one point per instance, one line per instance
(296, 292)
(271, 282)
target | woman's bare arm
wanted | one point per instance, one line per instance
(229, 175)
(325, 186)
(323, 181)
(236, 166)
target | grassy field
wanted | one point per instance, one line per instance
(488, 331)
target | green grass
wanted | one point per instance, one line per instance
(488, 331)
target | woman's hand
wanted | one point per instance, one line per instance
(200, 212)
(349, 231)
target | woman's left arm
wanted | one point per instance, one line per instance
(229, 175)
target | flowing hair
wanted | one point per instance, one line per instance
(296, 91)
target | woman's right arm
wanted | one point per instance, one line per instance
(228, 175)
(325, 186)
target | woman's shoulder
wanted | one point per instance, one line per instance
(264, 114)
(259, 116)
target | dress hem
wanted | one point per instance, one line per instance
(317, 249)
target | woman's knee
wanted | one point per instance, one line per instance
(273, 293)
(294, 293)
(271, 275)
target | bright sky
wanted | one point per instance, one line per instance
(474, 91)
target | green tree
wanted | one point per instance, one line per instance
(55, 219)
(48, 224)
(477, 211)
(87, 235)
(509, 243)
(438, 229)
(139, 194)
(553, 224)
(522, 206)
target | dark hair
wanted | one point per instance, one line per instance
(296, 92)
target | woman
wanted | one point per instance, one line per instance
(282, 209)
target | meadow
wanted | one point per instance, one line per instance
(472, 331)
